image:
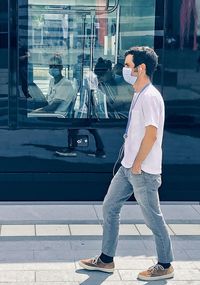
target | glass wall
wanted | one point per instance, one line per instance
(71, 56)
(182, 91)
(68, 123)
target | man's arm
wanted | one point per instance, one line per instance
(145, 147)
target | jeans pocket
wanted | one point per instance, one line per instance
(137, 180)
(153, 180)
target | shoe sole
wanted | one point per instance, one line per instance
(95, 268)
(141, 277)
(66, 154)
(93, 155)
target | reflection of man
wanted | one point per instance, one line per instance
(60, 96)
(25, 70)
(140, 170)
(70, 150)
(78, 69)
(106, 83)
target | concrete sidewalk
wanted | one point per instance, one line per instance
(90, 213)
(40, 244)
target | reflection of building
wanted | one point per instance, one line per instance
(29, 156)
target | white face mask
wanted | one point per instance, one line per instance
(131, 79)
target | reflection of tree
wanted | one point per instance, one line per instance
(187, 13)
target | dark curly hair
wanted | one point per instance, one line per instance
(146, 55)
(102, 66)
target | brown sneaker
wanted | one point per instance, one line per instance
(96, 264)
(156, 272)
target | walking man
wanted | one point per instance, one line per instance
(140, 171)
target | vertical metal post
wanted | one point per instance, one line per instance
(92, 40)
(83, 48)
(12, 64)
(91, 60)
(117, 33)
(163, 49)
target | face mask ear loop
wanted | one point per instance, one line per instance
(119, 157)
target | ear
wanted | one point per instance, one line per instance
(143, 67)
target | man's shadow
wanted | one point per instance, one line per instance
(94, 277)
(97, 278)
(155, 282)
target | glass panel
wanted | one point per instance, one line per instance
(71, 64)
(182, 84)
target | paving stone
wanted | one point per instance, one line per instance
(17, 276)
(129, 274)
(186, 243)
(178, 243)
(136, 253)
(197, 208)
(197, 264)
(79, 275)
(131, 244)
(47, 213)
(25, 244)
(17, 230)
(131, 263)
(53, 256)
(189, 274)
(179, 252)
(34, 266)
(128, 212)
(56, 230)
(127, 263)
(180, 212)
(40, 283)
(16, 256)
(184, 265)
(183, 229)
(144, 230)
(134, 282)
(180, 264)
(86, 230)
(128, 229)
(194, 254)
(86, 244)
(87, 253)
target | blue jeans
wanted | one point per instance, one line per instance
(145, 188)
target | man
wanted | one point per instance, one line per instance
(72, 133)
(60, 96)
(140, 170)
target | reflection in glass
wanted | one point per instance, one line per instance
(181, 83)
(84, 38)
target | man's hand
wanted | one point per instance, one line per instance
(145, 147)
(136, 168)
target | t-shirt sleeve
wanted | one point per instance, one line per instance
(151, 110)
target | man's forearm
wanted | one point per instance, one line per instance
(145, 148)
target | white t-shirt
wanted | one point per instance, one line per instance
(148, 110)
(63, 90)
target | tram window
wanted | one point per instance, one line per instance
(87, 49)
